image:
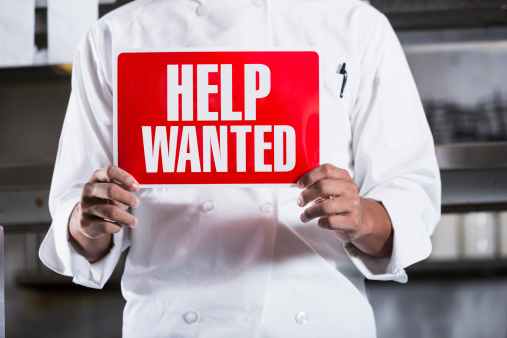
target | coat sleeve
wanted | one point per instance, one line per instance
(394, 155)
(85, 146)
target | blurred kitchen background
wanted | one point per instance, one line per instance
(457, 50)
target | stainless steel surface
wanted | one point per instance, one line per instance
(440, 308)
(473, 175)
(468, 187)
(472, 156)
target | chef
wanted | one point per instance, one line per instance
(251, 262)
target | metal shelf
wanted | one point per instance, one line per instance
(469, 156)
(423, 14)
(474, 176)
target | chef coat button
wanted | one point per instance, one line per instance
(258, 3)
(191, 317)
(202, 10)
(301, 318)
(267, 208)
(208, 206)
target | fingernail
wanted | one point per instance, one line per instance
(303, 218)
(300, 184)
(136, 203)
(300, 202)
(135, 223)
(135, 186)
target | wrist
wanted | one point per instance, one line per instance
(93, 249)
(376, 234)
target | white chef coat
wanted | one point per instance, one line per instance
(238, 262)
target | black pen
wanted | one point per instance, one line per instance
(344, 73)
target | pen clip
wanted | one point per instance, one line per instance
(344, 73)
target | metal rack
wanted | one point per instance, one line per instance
(484, 122)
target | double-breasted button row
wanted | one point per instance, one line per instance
(210, 204)
(192, 316)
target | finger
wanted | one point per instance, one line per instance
(341, 225)
(325, 207)
(110, 191)
(321, 172)
(97, 227)
(112, 173)
(111, 213)
(321, 189)
(119, 205)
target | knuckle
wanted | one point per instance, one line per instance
(103, 210)
(354, 202)
(109, 190)
(110, 170)
(84, 208)
(328, 168)
(95, 209)
(113, 213)
(351, 186)
(344, 173)
(94, 176)
(123, 206)
(87, 189)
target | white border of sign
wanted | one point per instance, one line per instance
(118, 51)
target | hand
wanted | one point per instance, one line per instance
(335, 200)
(337, 205)
(102, 211)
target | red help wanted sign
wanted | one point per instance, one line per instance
(216, 117)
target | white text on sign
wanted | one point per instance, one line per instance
(214, 137)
